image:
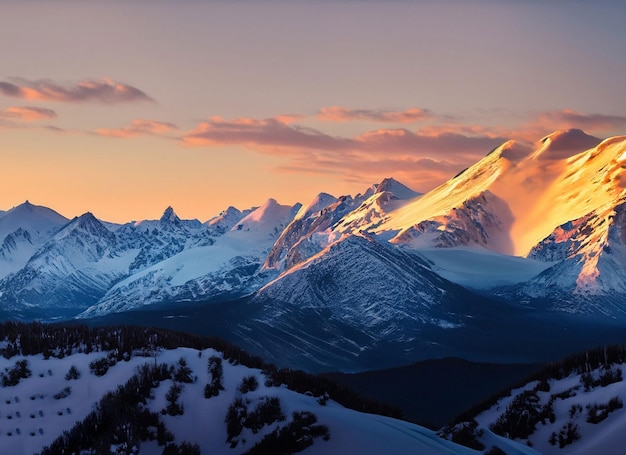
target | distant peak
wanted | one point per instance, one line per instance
(230, 209)
(26, 205)
(87, 216)
(226, 214)
(169, 216)
(87, 220)
(323, 195)
(397, 189)
(565, 143)
(322, 200)
(386, 184)
(511, 150)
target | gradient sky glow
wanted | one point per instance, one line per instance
(123, 108)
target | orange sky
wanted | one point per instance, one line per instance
(201, 105)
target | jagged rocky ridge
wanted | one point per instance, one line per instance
(385, 263)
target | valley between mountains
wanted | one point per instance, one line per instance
(521, 257)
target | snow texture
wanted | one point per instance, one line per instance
(31, 418)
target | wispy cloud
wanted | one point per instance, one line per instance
(568, 118)
(422, 160)
(534, 127)
(139, 127)
(102, 90)
(268, 135)
(469, 130)
(27, 113)
(343, 114)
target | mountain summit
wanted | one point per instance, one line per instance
(541, 224)
(536, 194)
(169, 217)
(397, 189)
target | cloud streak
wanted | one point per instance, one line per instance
(535, 127)
(268, 135)
(27, 113)
(139, 127)
(103, 90)
(343, 114)
(568, 118)
(422, 160)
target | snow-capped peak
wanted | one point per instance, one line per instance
(230, 212)
(86, 223)
(39, 221)
(397, 189)
(541, 188)
(269, 215)
(564, 143)
(320, 201)
(169, 217)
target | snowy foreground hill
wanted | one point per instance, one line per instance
(575, 406)
(98, 391)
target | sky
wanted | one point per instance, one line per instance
(124, 108)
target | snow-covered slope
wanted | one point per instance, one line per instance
(326, 219)
(226, 219)
(387, 196)
(391, 279)
(40, 221)
(345, 304)
(194, 396)
(480, 268)
(590, 255)
(23, 229)
(72, 270)
(227, 267)
(572, 407)
(158, 240)
(304, 236)
(540, 187)
(557, 201)
(483, 220)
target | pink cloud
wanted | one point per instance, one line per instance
(465, 130)
(139, 127)
(343, 114)
(103, 90)
(535, 127)
(269, 135)
(422, 160)
(568, 118)
(27, 113)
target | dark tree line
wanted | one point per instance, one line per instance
(122, 342)
(294, 437)
(122, 418)
(579, 363)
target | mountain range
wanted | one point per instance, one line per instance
(529, 231)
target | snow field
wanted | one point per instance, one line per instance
(203, 421)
